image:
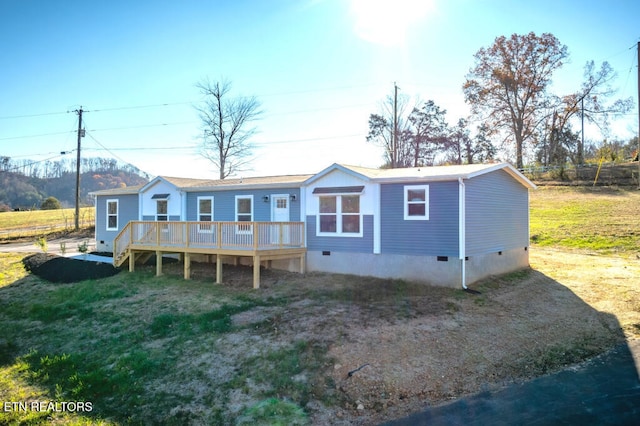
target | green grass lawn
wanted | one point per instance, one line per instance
(136, 346)
(602, 220)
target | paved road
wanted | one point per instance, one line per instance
(54, 246)
(602, 391)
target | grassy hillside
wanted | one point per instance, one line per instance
(604, 220)
(37, 222)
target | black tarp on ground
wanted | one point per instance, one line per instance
(60, 269)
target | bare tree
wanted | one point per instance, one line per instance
(381, 131)
(227, 126)
(588, 103)
(507, 87)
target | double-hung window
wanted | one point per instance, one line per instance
(416, 202)
(205, 213)
(112, 215)
(162, 210)
(339, 215)
(244, 212)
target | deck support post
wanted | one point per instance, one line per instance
(132, 261)
(256, 271)
(303, 265)
(187, 266)
(218, 269)
(158, 263)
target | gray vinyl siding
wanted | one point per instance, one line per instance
(497, 214)
(362, 244)
(127, 211)
(437, 236)
(224, 204)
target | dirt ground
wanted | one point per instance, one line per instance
(396, 347)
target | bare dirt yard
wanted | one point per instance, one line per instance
(332, 349)
(395, 347)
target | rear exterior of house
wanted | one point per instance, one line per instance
(448, 226)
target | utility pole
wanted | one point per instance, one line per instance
(80, 135)
(394, 143)
(581, 146)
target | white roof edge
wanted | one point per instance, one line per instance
(515, 173)
(335, 166)
(277, 185)
(154, 181)
(454, 176)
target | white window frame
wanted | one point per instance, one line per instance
(339, 214)
(158, 214)
(407, 202)
(204, 228)
(242, 229)
(117, 214)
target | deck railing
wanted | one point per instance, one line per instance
(211, 235)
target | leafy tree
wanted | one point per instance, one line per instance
(429, 133)
(227, 126)
(51, 203)
(483, 149)
(507, 87)
(460, 144)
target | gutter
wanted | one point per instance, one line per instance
(462, 231)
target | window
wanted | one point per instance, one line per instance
(162, 209)
(244, 211)
(112, 215)
(205, 213)
(339, 214)
(416, 202)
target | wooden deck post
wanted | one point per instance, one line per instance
(256, 271)
(187, 266)
(303, 265)
(132, 260)
(218, 269)
(158, 263)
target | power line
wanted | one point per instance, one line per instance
(36, 136)
(7, 117)
(113, 154)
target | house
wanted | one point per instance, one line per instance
(446, 225)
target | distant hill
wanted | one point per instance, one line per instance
(22, 190)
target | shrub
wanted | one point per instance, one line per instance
(51, 203)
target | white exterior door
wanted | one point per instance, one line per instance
(280, 213)
(280, 208)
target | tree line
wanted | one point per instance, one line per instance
(508, 91)
(27, 184)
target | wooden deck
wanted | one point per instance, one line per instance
(262, 241)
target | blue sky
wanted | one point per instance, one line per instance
(319, 68)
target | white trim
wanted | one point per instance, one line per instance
(377, 220)
(166, 214)
(335, 166)
(198, 213)
(462, 231)
(244, 197)
(339, 232)
(408, 188)
(117, 214)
